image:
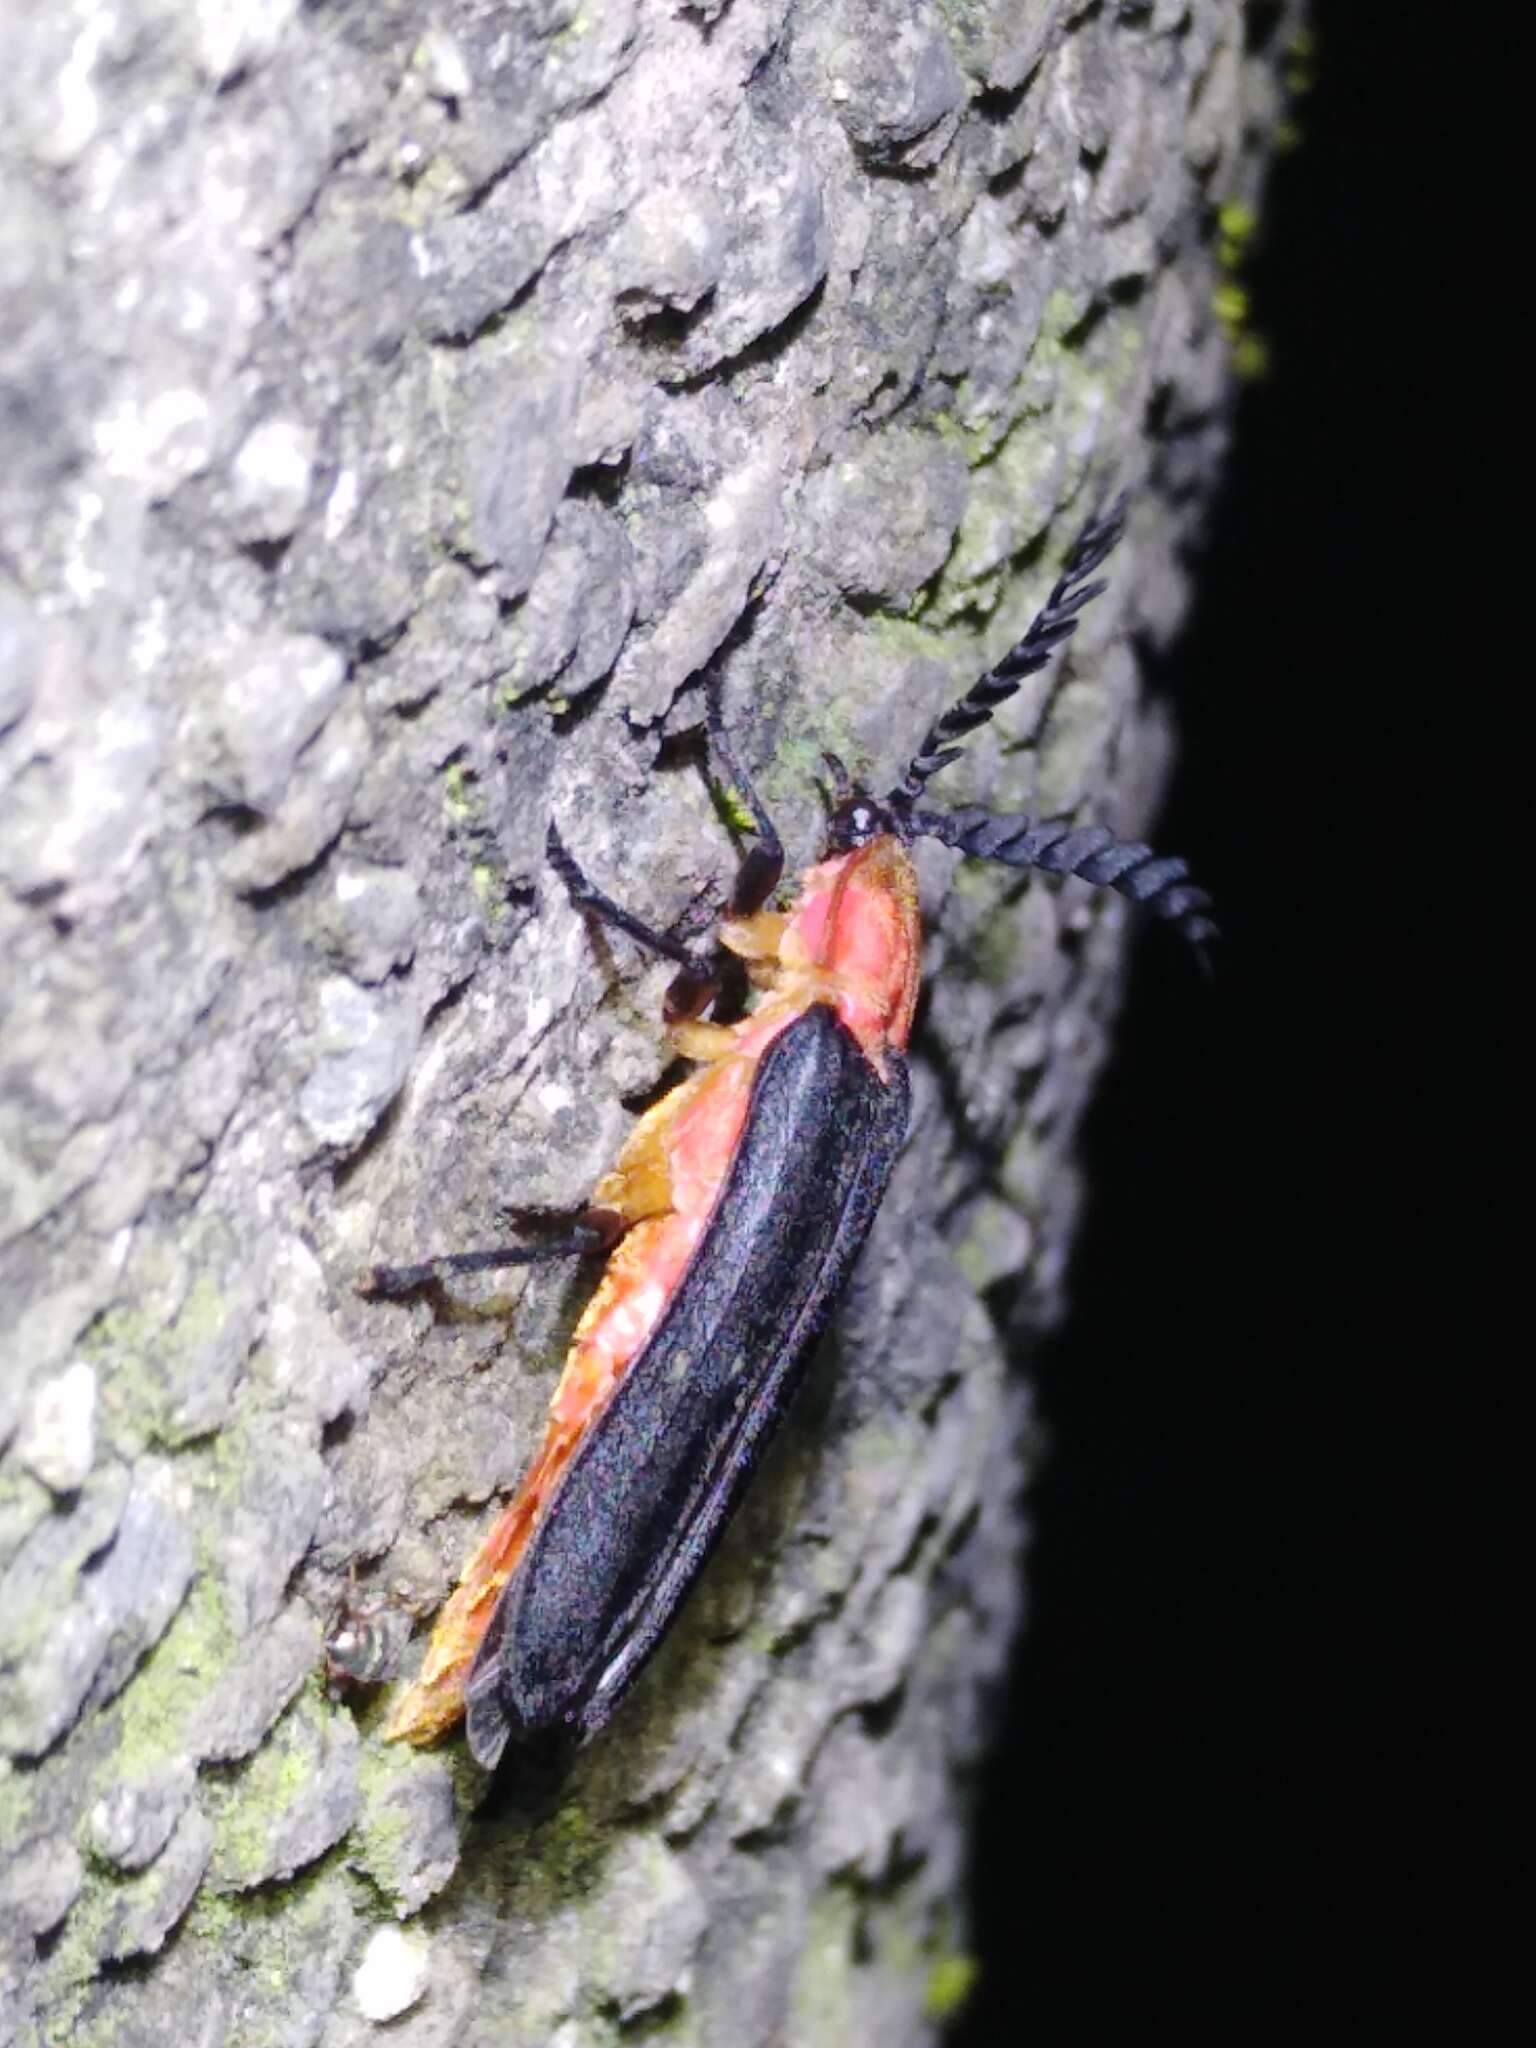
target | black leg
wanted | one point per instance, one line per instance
(587, 896)
(690, 991)
(590, 1235)
(762, 865)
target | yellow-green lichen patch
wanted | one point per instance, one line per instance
(571, 1848)
(951, 1980)
(461, 800)
(975, 442)
(990, 942)
(382, 1837)
(167, 1366)
(733, 807)
(823, 2005)
(283, 1945)
(17, 1791)
(1036, 460)
(413, 1809)
(490, 887)
(174, 1681)
(291, 1803)
(798, 766)
(1236, 224)
(121, 1344)
(1300, 73)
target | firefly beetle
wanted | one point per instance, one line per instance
(730, 1222)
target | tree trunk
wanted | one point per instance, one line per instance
(402, 404)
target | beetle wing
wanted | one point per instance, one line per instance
(649, 1493)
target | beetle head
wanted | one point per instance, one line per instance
(856, 817)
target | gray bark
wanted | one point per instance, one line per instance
(402, 402)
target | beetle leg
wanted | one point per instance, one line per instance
(757, 937)
(696, 984)
(592, 1235)
(762, 865)
(587, 896)
(703, 1042)
(641, 1184)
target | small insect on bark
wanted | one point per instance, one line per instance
(729, 1222)
(363, 1637)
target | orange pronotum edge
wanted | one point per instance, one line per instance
(851, 939)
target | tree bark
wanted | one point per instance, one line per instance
(402, 404)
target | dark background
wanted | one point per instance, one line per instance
(1247, 1786)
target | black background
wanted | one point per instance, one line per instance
(1246, 1788)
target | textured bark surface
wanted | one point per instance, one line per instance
(401, 403)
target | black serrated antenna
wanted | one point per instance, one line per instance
(1159, 883)
(1054, 623)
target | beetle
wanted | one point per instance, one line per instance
(730, 1220)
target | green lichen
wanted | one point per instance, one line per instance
(1020, 474)
(733, 807)
(215, 1917)
(275, 1780)
(900, 637)
(202, 1314)
(490, 887)
(269, 1941)
(269, 1920)
(951, 1980)
(172, 1682)
(460, 801)
(571, 1848)
(142, 1363)
(1235, 225)
(966, 18)
(1065, 309)
(822, 2000)
(381, 1842)
(975, 1267)
(798, 765)
(1232, 306)
(77, 1958)
(1299, 74)
(906, 1944)
(16, 1796)
(121, 1343)
(975, 443)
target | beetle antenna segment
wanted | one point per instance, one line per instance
(1054, 623)
(1160, 884)
(762, 865)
